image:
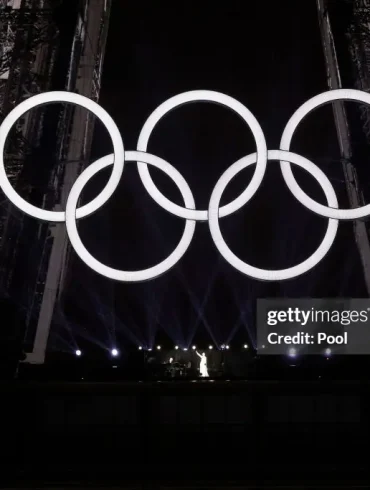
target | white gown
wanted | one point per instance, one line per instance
(203, 367)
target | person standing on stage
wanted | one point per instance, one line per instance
(203, 365)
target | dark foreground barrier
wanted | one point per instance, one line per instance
(245, 431)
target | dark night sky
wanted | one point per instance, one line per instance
(270, 59)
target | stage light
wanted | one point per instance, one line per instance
(158, 347)
(150, 350)
(328, 352)
(78, 353)
(222, 347)
(114, 352)
(292, 352)
(176, 347)
(194, 347)
(140, 348)
(227, 347)
(245, 346)
(185, 348)
(210, 347)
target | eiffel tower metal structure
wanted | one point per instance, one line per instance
(45, 45)
(357, 43)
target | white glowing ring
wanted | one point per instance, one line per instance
(262, 274)
(298, 116)
(118, 151)
(203, 96)
(118, 275)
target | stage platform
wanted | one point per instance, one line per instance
(226, 430)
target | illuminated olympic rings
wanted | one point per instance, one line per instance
(188, 212)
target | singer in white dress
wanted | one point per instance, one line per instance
(203, 365)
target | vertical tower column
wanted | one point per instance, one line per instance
(85, 80)
(344, 139)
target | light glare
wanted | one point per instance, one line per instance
(292, 352)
